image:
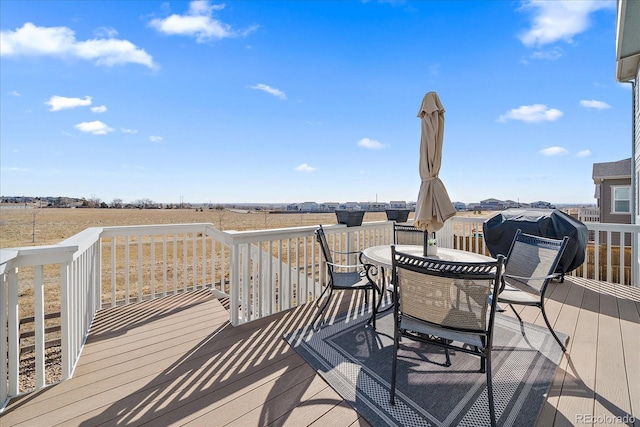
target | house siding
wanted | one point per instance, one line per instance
(636, 142)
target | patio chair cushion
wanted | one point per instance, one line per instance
(349, 279)
(512, 295)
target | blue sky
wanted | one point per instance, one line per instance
(292, 101)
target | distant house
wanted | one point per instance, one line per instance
(628, 70)
(460, 206)
(398, 204)
(293, 207)
(328, 206)
(613, 190)
(373, 206)
(492, 205)
(309, 207)
(542, 205)
(508, 204)
(351, 206)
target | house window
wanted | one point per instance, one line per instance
(621, 200)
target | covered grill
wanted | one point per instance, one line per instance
(500, 229)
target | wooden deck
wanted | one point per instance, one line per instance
(177, 361)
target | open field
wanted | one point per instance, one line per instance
(29, 227)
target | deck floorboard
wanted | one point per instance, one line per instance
(178, 361)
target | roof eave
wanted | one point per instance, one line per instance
(627, 48)
(627, 68)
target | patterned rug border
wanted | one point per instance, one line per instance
(349, 377)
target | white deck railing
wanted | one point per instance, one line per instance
(261, 272)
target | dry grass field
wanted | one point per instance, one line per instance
(29, 227)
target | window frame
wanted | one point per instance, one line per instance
(614, 199)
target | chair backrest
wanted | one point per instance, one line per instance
(533, 259)
(454, 295)
(408, 235)
(324, 246)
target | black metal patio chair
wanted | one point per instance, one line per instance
(530, 266)
(345, 276)
(404, 234)
(448, 304)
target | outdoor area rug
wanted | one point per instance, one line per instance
(356, 361)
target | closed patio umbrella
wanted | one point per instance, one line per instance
(434, 206)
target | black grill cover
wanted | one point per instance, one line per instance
(500, 229)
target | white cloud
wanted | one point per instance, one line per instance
(58, 103)
(106, 32)
(559, 19)
(99, 109)
(31, 40)
(535, 113)
(198, 22)
(371, 144)
(270, 90)
(154, 138)
(15, 93)
(598, 105)
(95, 128)
(554, 151)
(305, 168)
(549, 55)
(124, 130)
(584, 153)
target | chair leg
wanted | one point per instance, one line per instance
(374, 308)
(544, 316)
(516, 313)
(324, 306)
(396, 343)
(321, 293)
(492, 412)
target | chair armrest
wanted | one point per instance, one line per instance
(513, 276)
(346, 253)
(346, 265)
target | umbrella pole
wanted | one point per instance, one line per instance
(425, 244)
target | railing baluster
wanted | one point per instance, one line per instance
(4, 330)
(140, 262)
(194, 260)
(175, 263)
(114, 269)
(13, 323)
(152, 267)
(126, 270)
(185, 275)
(164, 265)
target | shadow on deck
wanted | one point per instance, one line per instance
(177, 360)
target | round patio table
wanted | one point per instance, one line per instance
(380, 256)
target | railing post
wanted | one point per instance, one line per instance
(234, 285)
(65, 323)
(635, 260)
(38, 281)
(4, 391)
(13, 334)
